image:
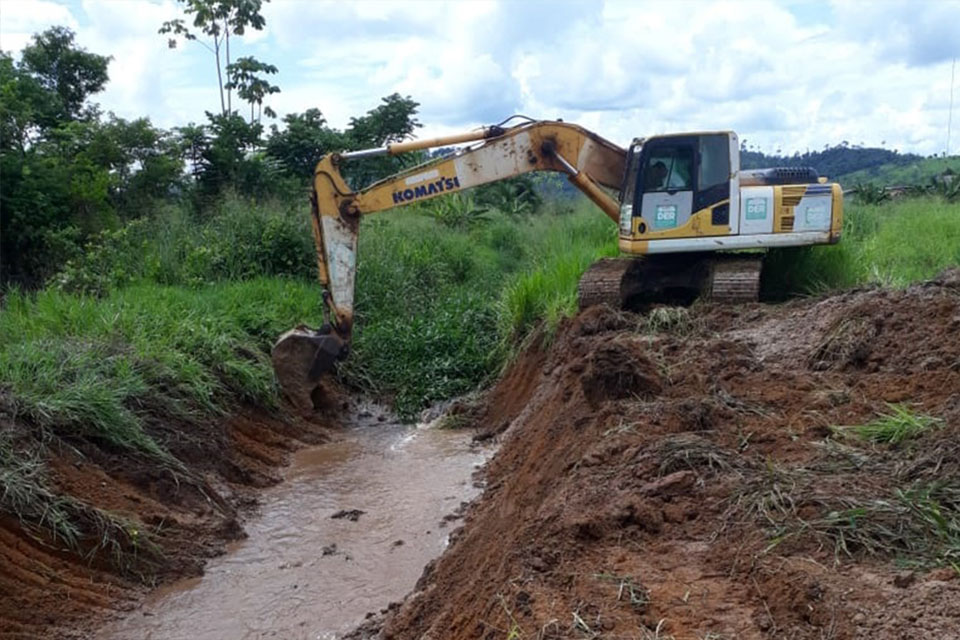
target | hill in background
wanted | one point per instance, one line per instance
(851, 165)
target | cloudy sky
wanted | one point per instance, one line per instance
(789, 75)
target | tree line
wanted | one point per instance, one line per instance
(833, 161)
(69, 171)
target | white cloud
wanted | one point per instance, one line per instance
(20, 19)
(788, 74)
(917, 32)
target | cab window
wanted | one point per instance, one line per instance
(714, 160)
(669, 168)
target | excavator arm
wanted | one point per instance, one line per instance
(302, 355)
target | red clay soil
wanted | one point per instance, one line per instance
(188, 515)
(677, 476)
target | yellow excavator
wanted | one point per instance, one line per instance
(681, 202)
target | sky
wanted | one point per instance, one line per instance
(786, 75)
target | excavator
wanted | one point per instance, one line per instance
(687, 216)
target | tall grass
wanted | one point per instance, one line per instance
(547, 292)
(893, 244)
(89, 367)
(235, 240)
(438, 308)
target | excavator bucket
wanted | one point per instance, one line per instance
(300, 358)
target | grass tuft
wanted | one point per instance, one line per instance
(877, 506)
(898, 424)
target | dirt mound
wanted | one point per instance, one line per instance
(619, 370)
(172, 519)
(698, 482)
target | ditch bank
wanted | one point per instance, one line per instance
(756, 471)
(135, 521)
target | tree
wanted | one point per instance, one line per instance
(216, 21)
(192, 142)
(63, 69)
(392, 121)
(303, 141)
(224, 157)
(51, 193)
(65, 173)
(251, 87)
(21, 100)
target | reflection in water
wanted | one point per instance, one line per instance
(303, 574)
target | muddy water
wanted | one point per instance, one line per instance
(302, 573)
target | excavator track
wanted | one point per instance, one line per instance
(634, 283)
(601, 282)
(735, 279)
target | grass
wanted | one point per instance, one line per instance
(25, 492)
(440, 309)
(629, 590)
(882, 504)
(899, 174)
(86, 367)
(692, 452)
(676, 320)
(892, 244)
(547, 292)
(899, 424)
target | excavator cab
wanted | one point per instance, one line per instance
(679, 186)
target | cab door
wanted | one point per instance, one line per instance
(683, 175)
(667, 183)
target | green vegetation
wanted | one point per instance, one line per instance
(96, 368)
(69, 173)
(25, 491)
(836, 161)
(895, 243)
(439, 308)
(917, 171)
(878, 505)
(900, 424)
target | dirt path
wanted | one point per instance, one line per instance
(681, 475)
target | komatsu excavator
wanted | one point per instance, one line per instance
(681, 203)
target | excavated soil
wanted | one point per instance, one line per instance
(177, 518)
(680, 475)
